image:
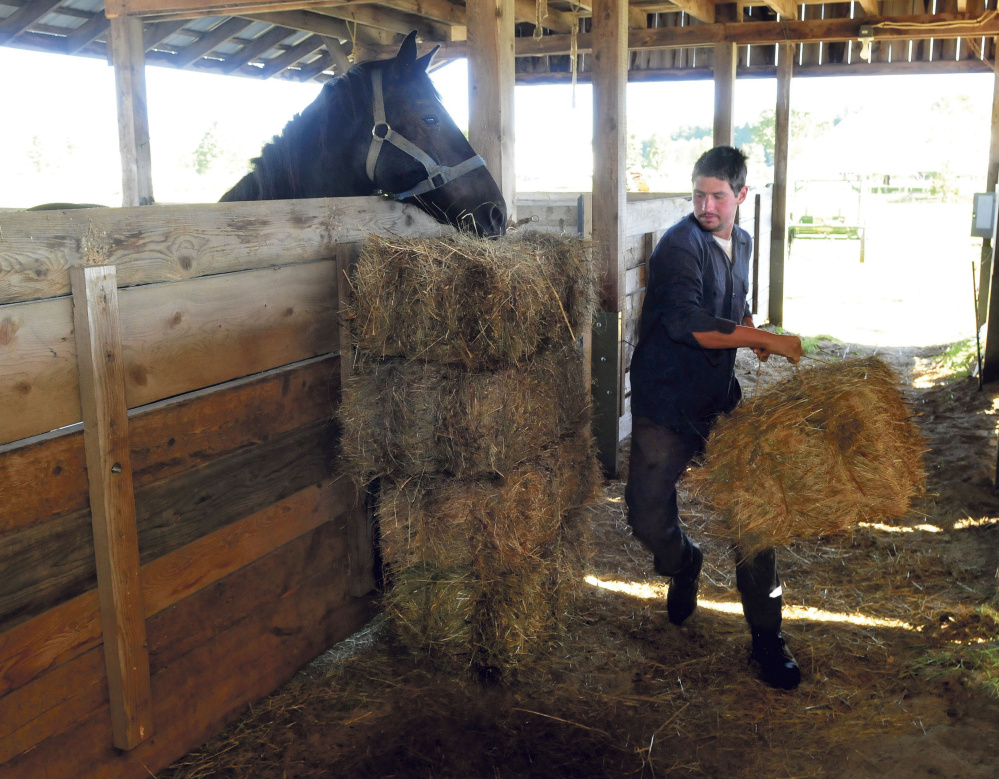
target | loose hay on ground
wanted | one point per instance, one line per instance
(813, 455)
(481, 304)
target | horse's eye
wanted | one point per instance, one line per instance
(430, 121)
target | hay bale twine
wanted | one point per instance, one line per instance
(413, 417)
(813, 455)
(480, 304)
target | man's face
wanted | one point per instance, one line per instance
(715, 205)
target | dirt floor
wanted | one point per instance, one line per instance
(893, 626)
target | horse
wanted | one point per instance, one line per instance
(380, 129)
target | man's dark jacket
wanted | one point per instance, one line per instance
(692, 288)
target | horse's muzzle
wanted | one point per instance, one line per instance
(490, 220)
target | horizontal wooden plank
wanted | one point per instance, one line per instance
(53, 562)
(177, 337)
(235, 661)
(151, 244)
(647, 216)
(54, 701)
(181, 336)
(39, 378)
(47, 477)
(72, 628)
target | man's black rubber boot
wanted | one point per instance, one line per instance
(778, 668)
(681, 598)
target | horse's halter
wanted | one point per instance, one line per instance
(437, 175)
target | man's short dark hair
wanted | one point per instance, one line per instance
(725, 163)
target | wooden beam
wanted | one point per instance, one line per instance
(338, 54)
(871, 7)
(255, 48)
(438, 10)
(322, 63)
(763, 33)
(302, 49)
(988, 294)
(128, 54)
(86, 33)
(786, 8)
(490, 87)
(702, 10)
(309, 21)
(209, 41)
(160, 31)
(526, 11)
(112, 502)
(24, 17)
(778, 219)
(398, 22)
(610, 81)
(192, 9)
(725, 61)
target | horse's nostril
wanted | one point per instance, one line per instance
(497, 220)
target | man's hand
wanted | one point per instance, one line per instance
(759, 351)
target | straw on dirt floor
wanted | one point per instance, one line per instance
(481, 304)
(486, 525)
(413, 417)
(814, 455)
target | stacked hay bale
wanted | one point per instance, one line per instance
(814, 455)
(468, 403)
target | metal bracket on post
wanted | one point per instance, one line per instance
(606, 387)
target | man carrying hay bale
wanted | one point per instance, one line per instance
(694, 317)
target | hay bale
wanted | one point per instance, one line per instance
(414, 418)
(462, 300)
(488, 525)
(813, 455)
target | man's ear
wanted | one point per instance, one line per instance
(742, 196)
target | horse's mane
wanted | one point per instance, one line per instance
(305, 160)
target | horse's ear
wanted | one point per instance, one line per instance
(407, 52)
(423, 63)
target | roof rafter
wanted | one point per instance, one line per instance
(256, 47)
(301, 49)
(381, 18)
(223, 32)
(24, 17)
(89, 31)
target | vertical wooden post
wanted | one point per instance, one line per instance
(991, 179)
(360, 520)
(129, 56)
(491, 81)
(610, 82)
(726, 58)
(782, 131)
(112, 503)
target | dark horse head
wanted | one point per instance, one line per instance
(380, 128)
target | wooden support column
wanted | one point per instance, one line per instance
(112, 503)
(361, 578)
(991, 179)
(726, 58)
(610, 82)
(129, 57)
(491, 81)
(778, 219)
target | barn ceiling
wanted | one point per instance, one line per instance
(669, 40)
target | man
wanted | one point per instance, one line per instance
(694, 317)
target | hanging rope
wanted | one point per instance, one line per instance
(353, 39)
(541, 13)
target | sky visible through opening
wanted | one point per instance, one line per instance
(60, 143)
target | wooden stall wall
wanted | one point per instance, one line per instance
(252, 549)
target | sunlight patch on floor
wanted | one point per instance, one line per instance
(654, 591)
(969, 522)
(891, 529)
